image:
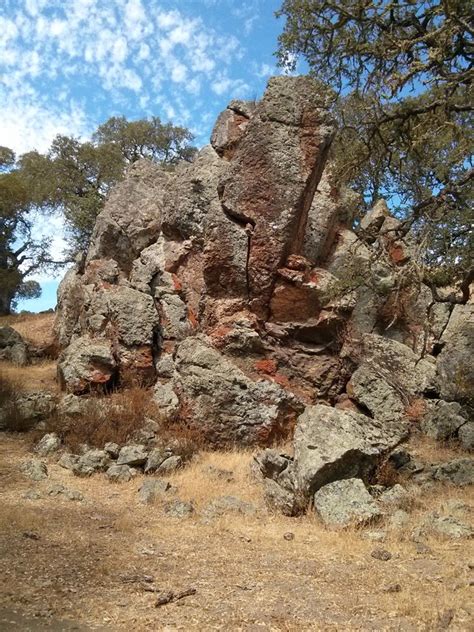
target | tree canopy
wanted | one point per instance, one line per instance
(20, 253)
(401, 79)
(72, 177)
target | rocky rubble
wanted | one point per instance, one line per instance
(216, 283)
(219, 284)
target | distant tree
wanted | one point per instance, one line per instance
(401, 75)
(20, 253)
(75, 177)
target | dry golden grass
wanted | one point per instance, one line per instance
(35, 377)
(35, 328)
(431, 451)
(246, 575)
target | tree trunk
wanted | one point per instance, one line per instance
(6, 299)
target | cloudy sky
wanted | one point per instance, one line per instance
(68, 65)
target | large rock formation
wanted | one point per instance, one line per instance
(216, 283)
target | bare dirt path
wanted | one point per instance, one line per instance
(94, 563)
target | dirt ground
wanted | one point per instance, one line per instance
(97, 564)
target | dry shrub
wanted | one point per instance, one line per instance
(114, 418)
(10, 417)
(386, 474)
(416, 409)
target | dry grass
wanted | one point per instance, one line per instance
(36, 377)
(36, 329)
(246, 575)
(429, 450)
(115, 417)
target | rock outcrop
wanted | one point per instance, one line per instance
(219, 283)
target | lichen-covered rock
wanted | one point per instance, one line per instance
(87, 363)
(224, 402)
(390, 375)
(131, 219)
(454, 365)
(48, 444)
(12, 346)
(443, 420)
(346, 502)
(332, 444)
(274, 173)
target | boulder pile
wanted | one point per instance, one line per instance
(237, 287)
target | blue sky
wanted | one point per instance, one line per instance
(68, 65)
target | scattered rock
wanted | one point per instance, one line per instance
(120, 473)
(392, 588)
(346, 502)
(112, 449)
(90, 462)
(151, 489)
(381, 554)
(169, 465)
(289, 536)
(34, 469)
(458, 472)
(178, 509)
(48, 444)
(132, 455)
(331, 444)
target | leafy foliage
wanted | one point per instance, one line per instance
(76, 176)
(73, 177)
(401, 75)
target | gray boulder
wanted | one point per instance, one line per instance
(457, 472)
(132, 455)
(86, 363)
(120, 473)
(443, 420)
(12, 346)
(178, 509)
(466, 435)
(332, 444)
(346, 502)
(90, 462)
(48, 444)
(151, 489)
(454, 365)
(34, 469)
(226, 404)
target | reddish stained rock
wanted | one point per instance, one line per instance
(267, 366)
(272, 178)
